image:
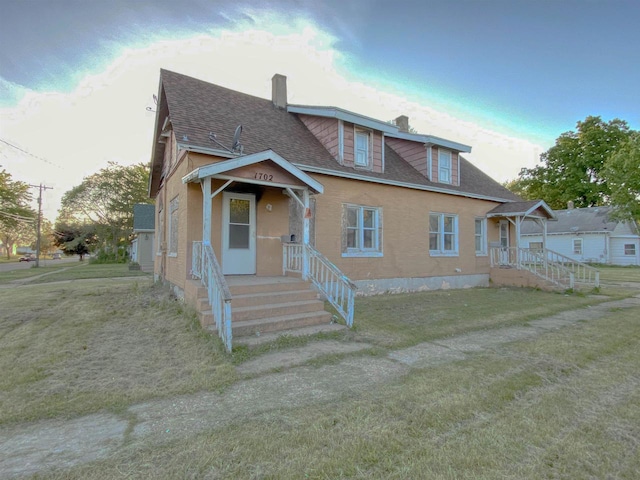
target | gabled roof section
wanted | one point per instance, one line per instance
(197, 108)
(531, 208)
(228, 165)
(581, 220)
(144, 217)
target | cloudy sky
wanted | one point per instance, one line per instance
(504, 76)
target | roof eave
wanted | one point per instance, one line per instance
(396, 183)
(340, 114)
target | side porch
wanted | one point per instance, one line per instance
(512, 264)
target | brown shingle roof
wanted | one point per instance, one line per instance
(197, 108)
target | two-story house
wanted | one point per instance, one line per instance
(254, 179)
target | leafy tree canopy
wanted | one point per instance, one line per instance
(105, 199)
(75, 239)
(622, 171)
(572, 170)
(16, 216)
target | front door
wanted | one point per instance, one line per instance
(238, 234)
(504, 242)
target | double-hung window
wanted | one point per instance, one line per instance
(481, 236)
(362, 231)
(443, 234)
(362, 143)
(444, 166)
(577, 246)
(629, 248)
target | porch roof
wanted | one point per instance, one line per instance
(220, 168)
(532, 208)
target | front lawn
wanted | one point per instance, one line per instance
(564, 404)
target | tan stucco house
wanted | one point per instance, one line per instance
(252, 188)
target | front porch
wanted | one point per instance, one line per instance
(251, 206)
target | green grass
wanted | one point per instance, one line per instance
(408, 319)
(611, 274)
(77, 348)
(69, 271)
(565, 404)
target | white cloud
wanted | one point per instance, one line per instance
(105, 117)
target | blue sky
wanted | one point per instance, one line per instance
(522, 71)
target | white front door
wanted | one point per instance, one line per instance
(238, 234)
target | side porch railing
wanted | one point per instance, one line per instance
(339, 290)
(547, 264)
(205, 267)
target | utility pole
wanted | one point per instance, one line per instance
(41, 187)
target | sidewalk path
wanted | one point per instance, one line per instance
(39, 447)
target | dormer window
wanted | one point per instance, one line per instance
(444, 166)
(362, 149)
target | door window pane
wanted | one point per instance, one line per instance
(238, 236)
(239, 211)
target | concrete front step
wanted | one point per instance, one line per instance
(276, 309)
(279, 323)
(267, 304)
(261, 299)
(266, 285)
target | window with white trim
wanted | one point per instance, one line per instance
(362, 145)
(577, 246)
(443, 234)
(629, 248)
(173, 226)
(481, 236)
(444, 166)
(535, 245)
(362, 231)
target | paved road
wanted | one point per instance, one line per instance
(8, 267)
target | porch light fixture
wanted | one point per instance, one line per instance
(269, 207)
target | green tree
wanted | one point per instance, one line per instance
(571, 170)
(16, 216)
(622, 171)
(75, 239)
(106, 200)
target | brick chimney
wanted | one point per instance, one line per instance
(402, 122)
(279, 90)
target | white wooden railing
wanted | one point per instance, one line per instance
(204, 266)
(312, 265)
(547, 264)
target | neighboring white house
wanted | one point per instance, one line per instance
(588, 235)
(143, 229)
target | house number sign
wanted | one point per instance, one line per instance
(263, 176)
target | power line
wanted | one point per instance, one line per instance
(31, 154)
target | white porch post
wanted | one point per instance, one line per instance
(205, 184)
(305, 234)
(544, 234)
(518, 223)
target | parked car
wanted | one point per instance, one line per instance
(27, 258)
(56, 256)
